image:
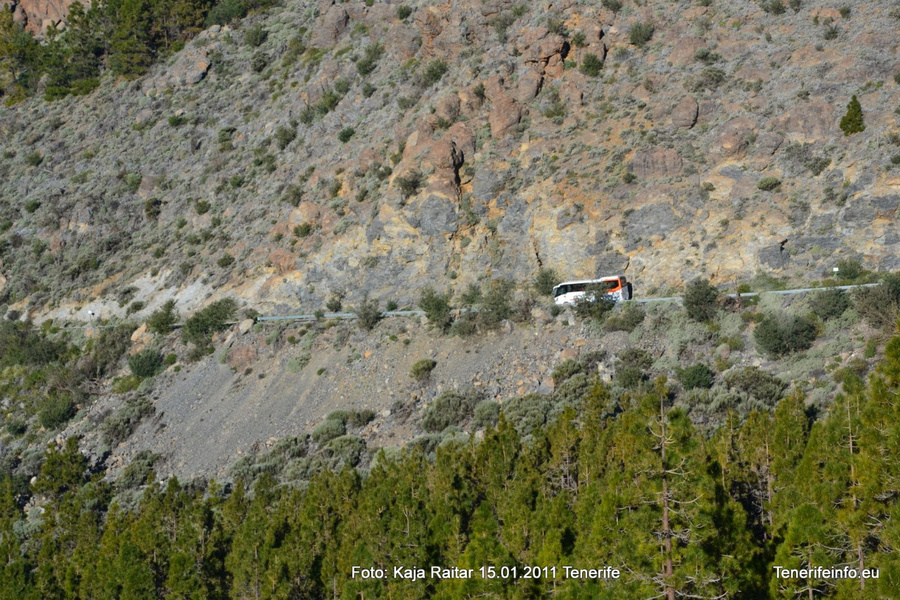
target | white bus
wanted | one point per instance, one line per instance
(614, 288)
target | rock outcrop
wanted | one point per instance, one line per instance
(38, 15)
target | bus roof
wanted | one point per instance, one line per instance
(602, 279)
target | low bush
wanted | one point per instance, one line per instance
(146, 363)
(700, 300)
(782, 334)
(591, 65)
(437, 308)
(450, 408)
(486, 414)
(627, 319)
(434, 71)
(769, 184)
(756, 383)
(55, 410)
(118, 427)
(138, 471)
(593, 306)
(879, 306)
(696, 376)
(421, 369)
(367, 313)
(640, 33)
(199, 327)
(327, 430)
(566, 369)
(830, 303)
(162, 320)
(631, 367)
(544, 281)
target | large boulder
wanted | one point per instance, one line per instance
(684, 115)
(656, 162)
(330, 27)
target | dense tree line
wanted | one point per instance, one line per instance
(628, 483)
(123, 37)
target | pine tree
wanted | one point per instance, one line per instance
(131, 50)
(852, 122)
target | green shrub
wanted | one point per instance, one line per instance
(627, 319)
(118, 427)
(256, 36)
(345, 451)
(403, 12)
(700, 300)
(486, 414)
(437, 308)
(756, 383)
(527, 413)
(852, 121)
(640, 33)
(434, 71)
(450, 408)
(696, 376)
(31, 206)
(879, 306)
(769, 184)
(284, 136)
(368, 314)
(201, 325)
(328, 430)
(784, 333)
(410, 184)
(138, 471)
(613, 5)
(829, 304)
(544, 281)
(225, 261)
(302, 230)
(162, 320)
(34, 159)
(566, 369)
(369, 61)
(593, 304)
(109, 348)
(591, 65)
(55, 410)
(146, 363)
(345, 134)
(849, 269)
(631, 366)
(421, 369)
(361, 418)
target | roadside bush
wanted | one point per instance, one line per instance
(436, 307)
(829, 304)
(495, 305)
(696, 376)
(784, 333)
(544, 281)
(879, 305)
(756, 383)
(327, 430)
(487, 413)
(593, 306)
(109, 348)
(640, 33)
(367, 313)
(162, 320)
(146, 363)
(118, 427)
(700, 300)
(450, 408)
(627, 319)
(204, 323)
(421, 369)
(849, 269)
(631, 367)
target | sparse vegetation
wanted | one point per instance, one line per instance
(782, 334)
(640, 33)
(421, 369)
(700, 300)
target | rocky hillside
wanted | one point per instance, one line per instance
(319, 149)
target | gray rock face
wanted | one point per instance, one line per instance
(434, 216)
(775, 256)
(651, 220)
(515, 222)
(330, 27)
(487, 183)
